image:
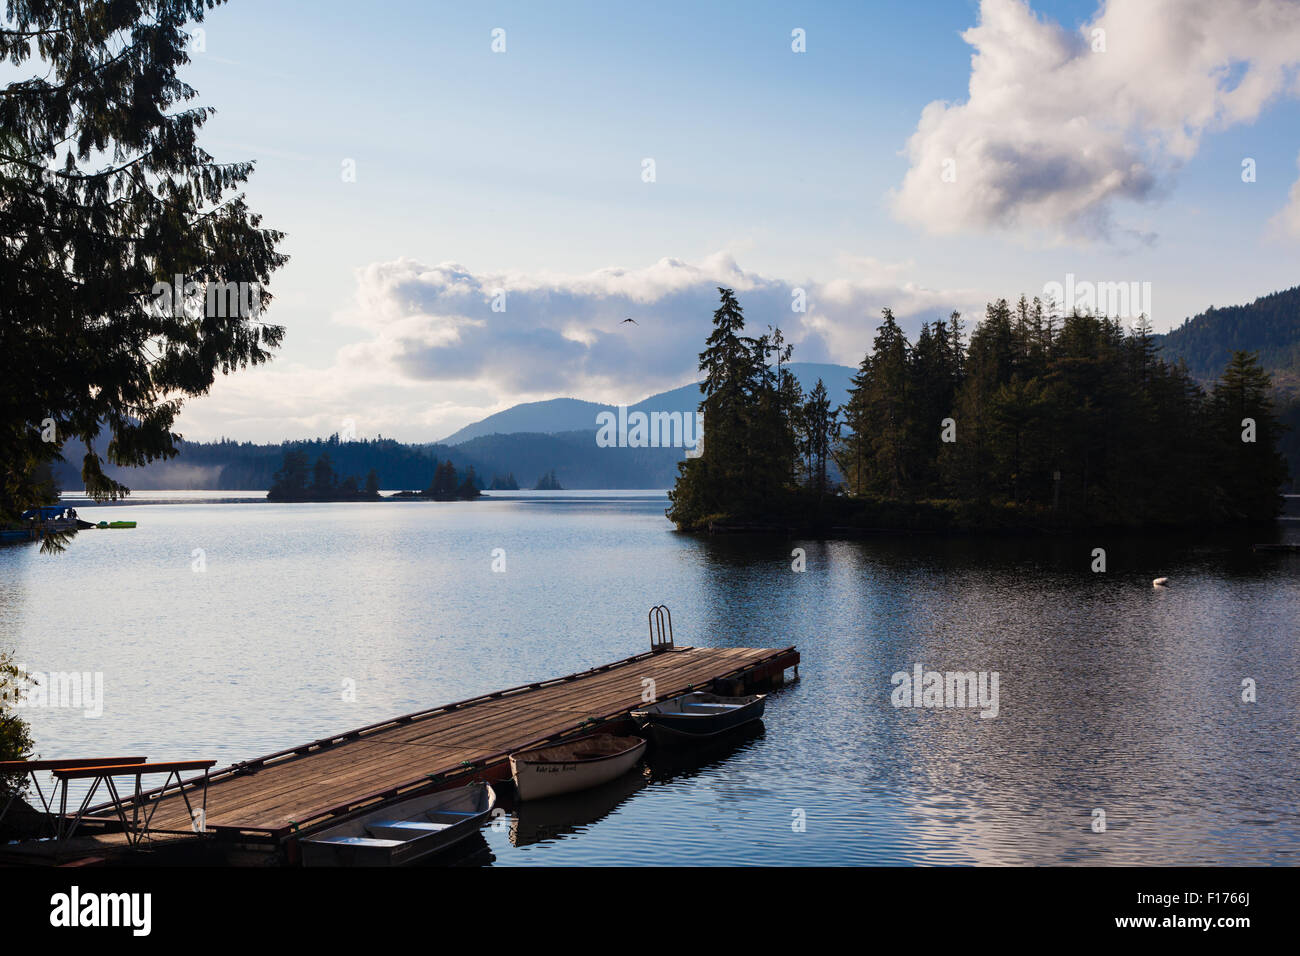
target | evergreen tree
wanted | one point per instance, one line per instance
(469, 487)
(880, 416)
(323, 477)
(445, 483)
(817, 425)
(104, 192)
(1245, 431)
(747, 464)
(290, 482)
(853, 452)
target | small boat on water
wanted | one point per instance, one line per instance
(697, 715)
(403, 832)
(54, 518)
(573, 765)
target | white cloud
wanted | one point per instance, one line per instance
(435, 355)
(1054, 133)
(1287, 221)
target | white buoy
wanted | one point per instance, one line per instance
(1159, 582)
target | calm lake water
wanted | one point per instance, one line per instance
(1112, 695)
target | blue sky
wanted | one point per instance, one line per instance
(775, 168)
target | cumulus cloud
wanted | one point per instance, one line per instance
(435, 354)
(545, 333)
(1059, 126)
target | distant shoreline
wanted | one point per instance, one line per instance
(179, 496)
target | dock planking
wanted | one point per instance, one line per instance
(272, 797)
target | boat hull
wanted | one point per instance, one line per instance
(538, 779)
(667, 727)
(402, 833)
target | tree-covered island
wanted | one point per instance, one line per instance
(1038, 423)
(295, 481)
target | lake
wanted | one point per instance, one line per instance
(228, 630)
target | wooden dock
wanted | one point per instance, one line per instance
(276, 797)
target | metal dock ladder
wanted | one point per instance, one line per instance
(660, 639)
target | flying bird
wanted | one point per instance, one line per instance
(626, 321)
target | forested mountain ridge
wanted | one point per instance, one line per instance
(1270, 326)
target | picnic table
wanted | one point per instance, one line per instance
(103, 770)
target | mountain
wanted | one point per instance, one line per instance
(573, 415)
(1270, 326)
(548, 417)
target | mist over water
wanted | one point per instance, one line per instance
(1113, 695)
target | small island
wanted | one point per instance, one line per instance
(446, 487)
(296, 482)
(548, 482)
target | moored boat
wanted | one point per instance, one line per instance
(573, 765)
(697, 716)
(401, 833)
(54, 518)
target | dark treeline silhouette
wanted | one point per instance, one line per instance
(234, 465)
(295, 481)
(248, 465)
(447, 485)
(548, 482)
(1037, 422)
(507, 483)
(1270, 326)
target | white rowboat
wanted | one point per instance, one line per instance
(574, 765)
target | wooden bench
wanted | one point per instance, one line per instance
(137, 827)
(33, 767)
